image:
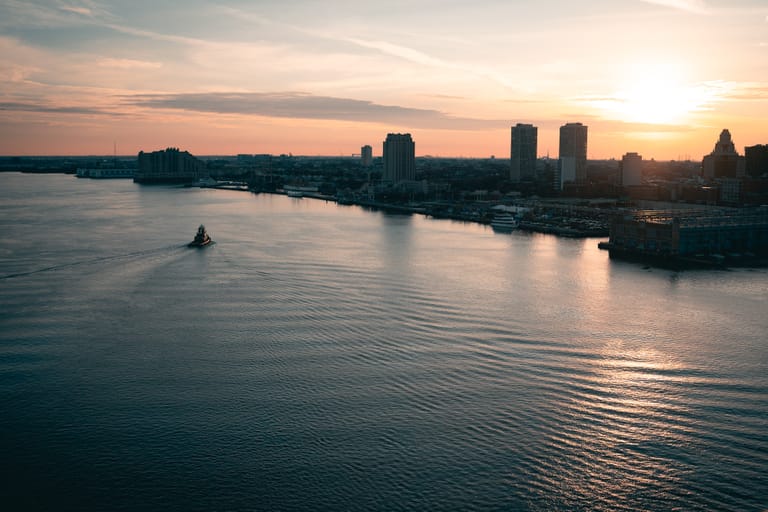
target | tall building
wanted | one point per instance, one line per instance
(399, 158)
(631, 170)
(572, 163)
(756, 160)
(723, 161)
(366, 156)
(169, 166)
(523, 152)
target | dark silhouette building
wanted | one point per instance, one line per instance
(756, 160)
(366, 156)
(572, 161)
(399, 158)
(523, 143)
(672, 234)
(724, 161)
(169, 166)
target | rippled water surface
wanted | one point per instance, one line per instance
(323, 357)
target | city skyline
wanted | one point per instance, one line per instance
(658, 77)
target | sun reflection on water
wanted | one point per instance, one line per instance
(624, 434)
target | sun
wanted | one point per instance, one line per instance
(654, 96)
(655, 101)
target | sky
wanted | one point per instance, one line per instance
(324, 77)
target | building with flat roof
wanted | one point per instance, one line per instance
(631, 170)
(399, 153)
(523, 143)
(756, 160)
(672, 234)
(366, 156)
(169, 166)
(573, 145)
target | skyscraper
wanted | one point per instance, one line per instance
(399, 158)
(572, 163)
(523, 152)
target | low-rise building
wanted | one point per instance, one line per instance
(676, 235)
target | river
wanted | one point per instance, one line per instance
(327, 357)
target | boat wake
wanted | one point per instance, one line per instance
(145, 252)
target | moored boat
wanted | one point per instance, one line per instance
(504, 222)
(201, 238)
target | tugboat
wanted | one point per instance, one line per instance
(201, 238)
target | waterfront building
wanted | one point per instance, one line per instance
(573, 153)
(366, 156)
(399, 154)
(523, 143)
(631, 170)
(169, 166)
(756, 160)
(105, 173)
(675, 234)
(724, 161)
(730, 191)
(244, 159)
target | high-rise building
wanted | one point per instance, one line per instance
(573, 145)
(399, 158)
(631, 170)
(756, 160)
(366, 155)
(523, 152)
(168, 166)
(723, 161)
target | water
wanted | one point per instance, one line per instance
(325, 357)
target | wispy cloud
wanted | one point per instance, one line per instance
(129, 64)
(299, 105)
(48, 109)
(77, 10)
(399, 51)
(746, 91)
(59, 14)
(695, 6)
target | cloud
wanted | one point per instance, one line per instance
(47, 109)
(695, 6)
(77, 10)
(129, 64)
(399, 51)
(299, 105)
(748, 92)
(63, 14)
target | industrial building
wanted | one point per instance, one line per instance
(680, 236)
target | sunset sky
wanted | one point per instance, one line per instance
(323, 77)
